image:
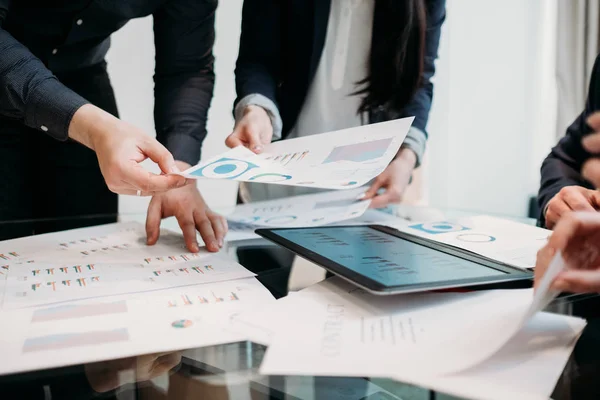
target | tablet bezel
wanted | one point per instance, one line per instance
(372, 286)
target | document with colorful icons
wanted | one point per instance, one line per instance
(344, 159)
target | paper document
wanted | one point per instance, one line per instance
(439, 340)
(344, 159)
(302, 211)
(124, 326)
(239, 231)
(36, 284)
(511, 242)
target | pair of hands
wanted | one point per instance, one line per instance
(577, 198)
(255, 131)
(120, 148)
(576, 234)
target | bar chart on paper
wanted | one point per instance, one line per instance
(71, 340)
(359, 152)
(77, 311)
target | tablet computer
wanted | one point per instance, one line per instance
(384, 261)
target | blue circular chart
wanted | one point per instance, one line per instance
(475, 238)
(224, 169)
(270, 177)
(441, 227)
(281, 220)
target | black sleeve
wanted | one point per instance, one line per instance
(259, 60)
(563, 165)
(420, 105)
(29, 91)
(184, 35)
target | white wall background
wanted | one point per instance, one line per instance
(492, 120)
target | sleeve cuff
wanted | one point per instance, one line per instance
(184, 148)
(264, 102)
(51, 108)
(416, 140)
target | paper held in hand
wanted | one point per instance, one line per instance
(343, 159)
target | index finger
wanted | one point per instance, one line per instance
(382, 200)
(573, 225)
(146, 181)
(233, 141)
(594, 120)
(592, 143)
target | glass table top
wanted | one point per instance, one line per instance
(230, 371)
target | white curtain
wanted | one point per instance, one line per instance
(578, 34)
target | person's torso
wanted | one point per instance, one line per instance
(331, 102)
(72, 34)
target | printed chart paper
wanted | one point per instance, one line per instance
(36, 284)
(440, 340)
(344, 159)
(511, 242)
(118, 327)
(302, 211)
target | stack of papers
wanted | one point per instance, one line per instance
(302, 211)
(344, 159)
(477, 345)
(326, 208)
(103, 289)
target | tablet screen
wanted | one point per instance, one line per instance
(386, 259)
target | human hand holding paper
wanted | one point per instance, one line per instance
(344, 159)
(394, 180)
(253, 131)
(577, 236)
(120, 148)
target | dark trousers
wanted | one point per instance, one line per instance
(57, 184)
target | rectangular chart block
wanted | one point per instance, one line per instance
(74, 311)
(70, 340)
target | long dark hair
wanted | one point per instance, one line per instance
(397, 54)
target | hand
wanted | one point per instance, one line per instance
(577, 236)
(571, 198)
(120, 147)
(394, 180)
(254, 130)
(591, 169)
(108, 375)
(192, 213)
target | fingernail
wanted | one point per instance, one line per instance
(195, 248)
(257, 148)
(174, 169)
(220, 242)
(361, 196)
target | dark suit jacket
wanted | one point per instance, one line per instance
(280, 48)
(563, 165)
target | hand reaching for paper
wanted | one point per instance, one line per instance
(192, 213)
(253, 131)
(394, 180)
(577, 236)
(571, 198)
(120, 148)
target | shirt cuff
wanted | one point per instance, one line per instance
(51, 108)
(264, 102)
(416, 140)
